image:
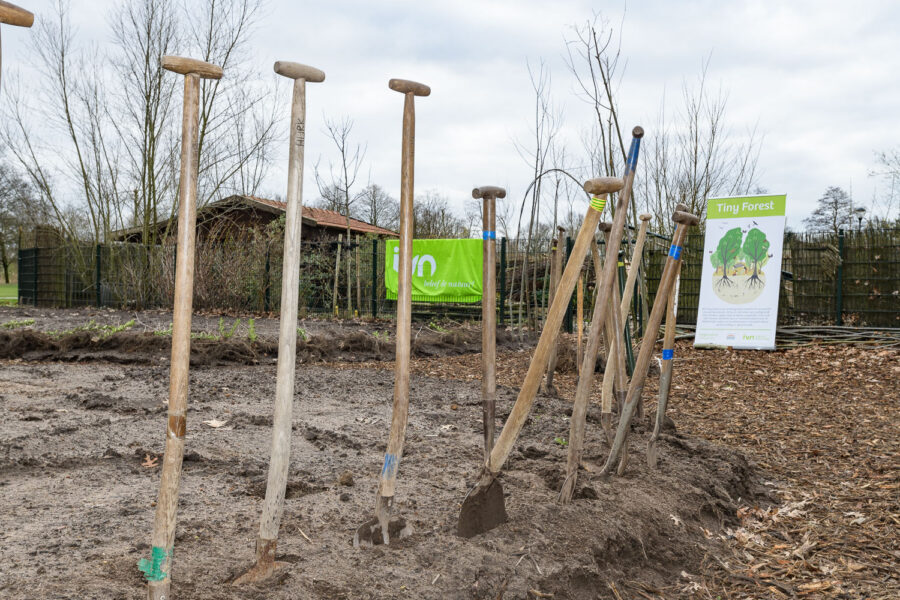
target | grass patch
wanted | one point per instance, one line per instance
(9, 294)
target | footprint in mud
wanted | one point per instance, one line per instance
(322, 438)
(98, 401)
(296, 488)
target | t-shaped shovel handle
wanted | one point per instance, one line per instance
(488, 191)
(10, 14)
(191, 66)
(294, 70)
(405, 86)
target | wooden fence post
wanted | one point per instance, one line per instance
(98, 257)
(839, 282)
(267, 284)
(502, 278)
(569, 244)
(374, 278)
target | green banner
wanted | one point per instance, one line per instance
(747, 206)
(442, 270)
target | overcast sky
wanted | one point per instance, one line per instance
(818, 78)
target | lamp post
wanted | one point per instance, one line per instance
(860, 213)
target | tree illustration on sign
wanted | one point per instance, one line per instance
(756, 250)
(726, 253)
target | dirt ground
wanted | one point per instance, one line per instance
(781, 479)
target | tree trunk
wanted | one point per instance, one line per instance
(4, 259)
(337, 274)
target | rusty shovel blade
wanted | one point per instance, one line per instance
(370, 532)
(482, 510)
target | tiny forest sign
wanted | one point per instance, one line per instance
(741, 277)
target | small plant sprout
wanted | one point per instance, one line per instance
(301, 333)
(224, 333)
(17, 324)
(561, 441)
(251, 330)
(433, 325)
(92, 326)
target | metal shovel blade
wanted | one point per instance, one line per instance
(482, 510)
(265, 565)
(370, 533)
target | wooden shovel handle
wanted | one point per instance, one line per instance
(649, 342)
(488, 191)
(489, 318)
(191, 66)
(405, 86)
(539, 360)
(400, 413)
(10, 14)
(295, 70)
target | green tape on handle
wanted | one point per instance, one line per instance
(153, 568)
(598, 204)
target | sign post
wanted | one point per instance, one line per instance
(741, 276)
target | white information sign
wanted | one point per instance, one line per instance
(741, 272)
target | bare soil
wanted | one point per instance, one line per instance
(83, 434)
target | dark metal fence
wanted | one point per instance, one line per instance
(849, 278)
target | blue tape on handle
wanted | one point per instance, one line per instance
(390, 466)
(489, 235)
(675, 251)
(631, 161)
(628, 158)
(668, 354)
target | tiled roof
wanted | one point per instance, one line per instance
(325, 218)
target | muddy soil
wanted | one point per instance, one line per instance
(80, 445)
(58, 320)
(79, 335)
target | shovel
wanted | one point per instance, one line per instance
(683, 220)
(483, 508)
(380, 529)
(489, 311)
(665, 373)
(604, 304)
(279, 458)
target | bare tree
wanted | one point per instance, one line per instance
(143, 31)
(833, 212)
(342, 177)
(72, 111)
(697, 157)
(885, 207)
(594, 53)
(545, 127)
(100, 139)
(237, 112)
(20, 209)
(433, 217)
(378, 207)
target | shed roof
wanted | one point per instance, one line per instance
(312, 217)
(318, 216)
